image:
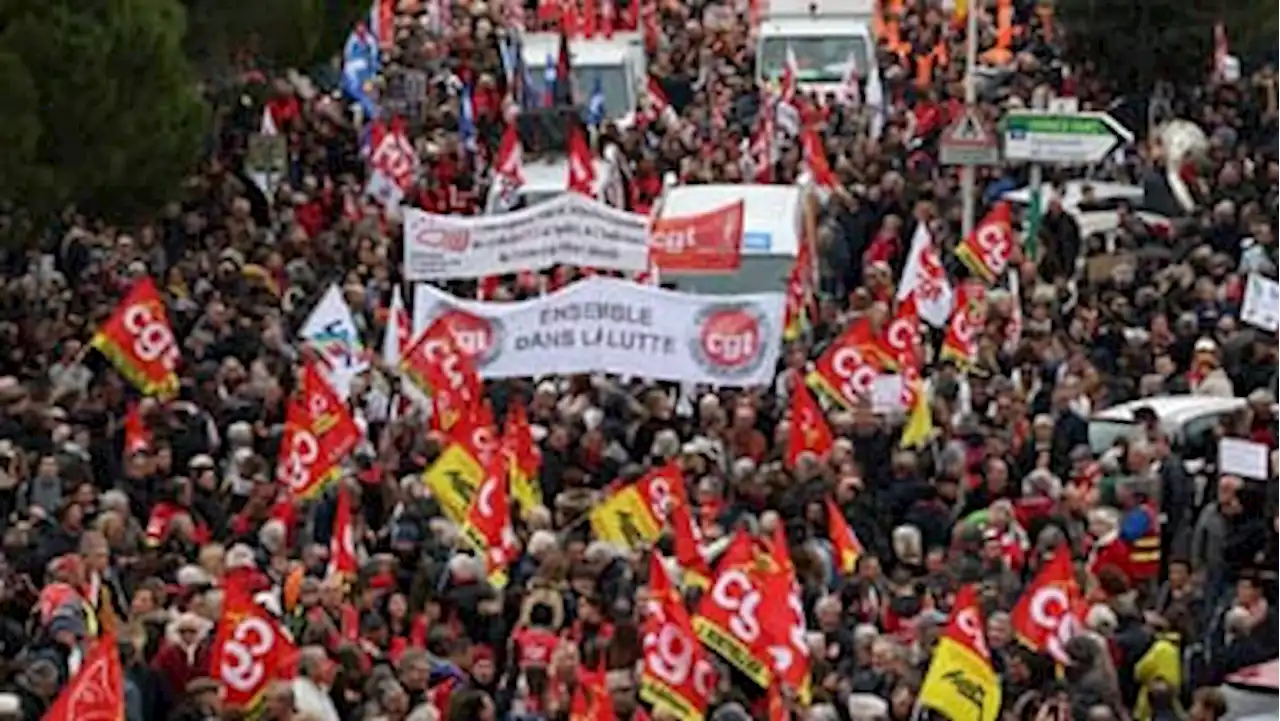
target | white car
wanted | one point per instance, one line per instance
(1186, 419)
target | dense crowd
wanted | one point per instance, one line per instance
(145, 541)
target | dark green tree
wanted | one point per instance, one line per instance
(1136, 43)
(100, 107)
(228, 36)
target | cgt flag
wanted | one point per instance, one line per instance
(319, 432)
(961, 683)
(96, 691)
(138, 341)
(809, 430)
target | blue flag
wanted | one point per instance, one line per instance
(360, 67)
(467, 120)
(595, 103)
(549, 82)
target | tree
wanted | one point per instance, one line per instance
(101, 108)
(1136, 43)
(268, 34)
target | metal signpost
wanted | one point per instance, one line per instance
(968, 143)
(1084, 138)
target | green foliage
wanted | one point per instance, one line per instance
(1135, 43)
(267, 34)
(100, 106)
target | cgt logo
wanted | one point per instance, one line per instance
(477, 337)
(452, 241)
(730, 339)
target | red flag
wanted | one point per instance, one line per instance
(848, 367)
(138, 341)
(987, 249)
(137, 437)
(582, 172)
(968, 316)
(508, 162)
(342, 544)
(728, 619)
(816, 156)
(524, 454)
(809, 430)
(438, 366)
(591, 699)
(677, 676)
(848, 547)
(249, 652)
(488, 523)
(782, 616)
(799, 310)
(319, 433)
(685, 538)
(1043, 618)
(761, 148)
(607, 12)
(96, 692)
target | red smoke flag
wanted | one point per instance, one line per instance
(987, 249)
(96, 691)
(319, 433)
(138, 341)
(137, 437)
(582, 172)
(809, 430)
(250, 651)
(848, 547)
(677, 677)
(342, 542)
(1043, 619)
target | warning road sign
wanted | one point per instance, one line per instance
(967, 142)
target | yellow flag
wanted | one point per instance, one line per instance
(625, 519)
(960, 684)
(525, 489)
(961, 10)
(453, 480)
(920, 422)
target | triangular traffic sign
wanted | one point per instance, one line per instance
(968, 131)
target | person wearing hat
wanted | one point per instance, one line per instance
(1206, 376)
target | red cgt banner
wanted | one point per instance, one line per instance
(709, 242)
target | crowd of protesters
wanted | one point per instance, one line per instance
(145, 541)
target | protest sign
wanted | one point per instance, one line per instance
(570, 229)
(608, 325)
(1261, 306)
(709, 242)
(1247, 459)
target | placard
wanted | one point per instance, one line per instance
(1261, 306)
(607, 325)
(1238, 457)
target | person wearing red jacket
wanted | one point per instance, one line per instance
(1108, 549)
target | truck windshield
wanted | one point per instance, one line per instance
(820, 59)
(612, 78)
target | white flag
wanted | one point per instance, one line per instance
(925, 277)
(398, 330)
(268, 126)
(331, 330)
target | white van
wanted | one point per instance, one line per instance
(772, 226)
(618, 63)
(823, 35)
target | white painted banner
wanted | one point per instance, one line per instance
(1261, 306)
(606, 325)
(570, 229)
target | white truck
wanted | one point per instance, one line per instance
(825, 36)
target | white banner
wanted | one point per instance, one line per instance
(569, 229)
(1261, 306)
(606, 325)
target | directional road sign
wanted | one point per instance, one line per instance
(1062, 138)
(967, 142)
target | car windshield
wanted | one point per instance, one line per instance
(819, 59)
(1104, 434)
(611, 79)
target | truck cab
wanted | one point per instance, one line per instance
(825, 36)
(618, 63)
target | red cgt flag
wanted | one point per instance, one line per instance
(96, 692)
(438, 367)
(847, 369)
(678, 677)
(138, 341)
(964, 328)
(987, 249)
(342, 544)
(809, 430)
(1044, 617)
(249, 652)
(582, 171)
(319, 432)
(137, 437)
(487, 526)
